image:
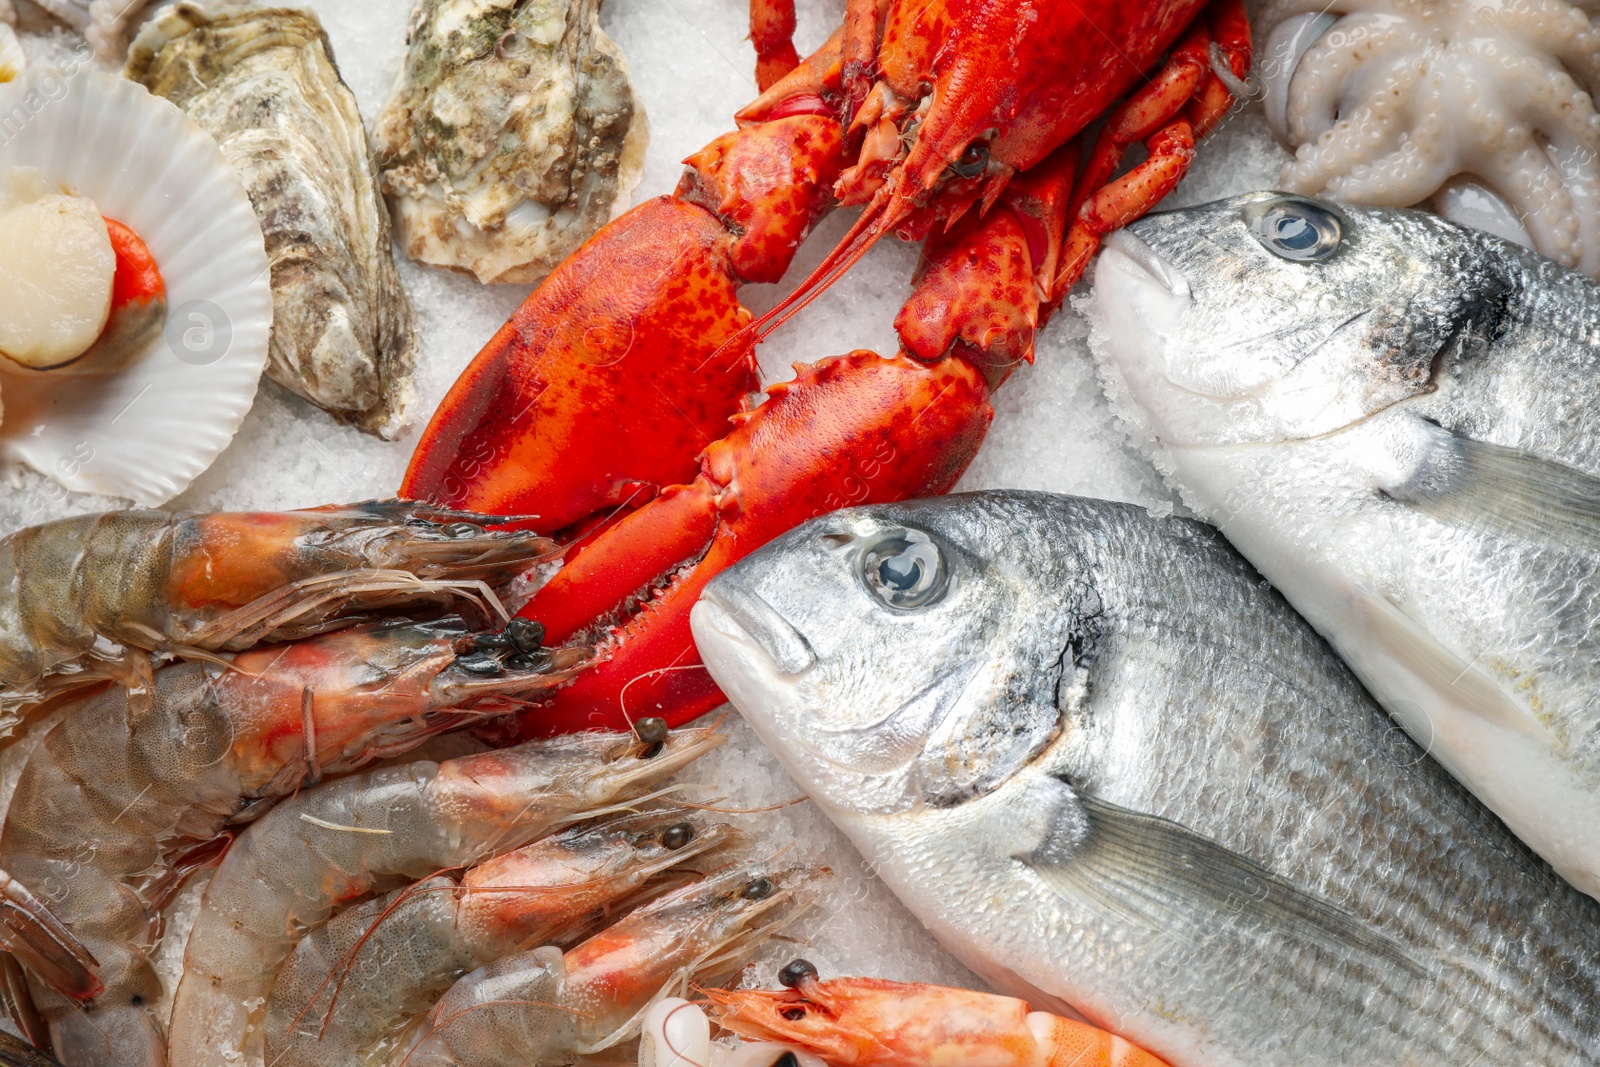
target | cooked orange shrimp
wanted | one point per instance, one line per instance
(80, 596)
(119, 801)
(868, 1022)
(353, 983)
(543, 1007)
(348, 838)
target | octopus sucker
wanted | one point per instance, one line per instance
(263, 82)
(1484, 113)
(512, 135)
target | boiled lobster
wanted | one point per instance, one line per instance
(952, 121)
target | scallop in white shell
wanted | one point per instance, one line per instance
(145, 431)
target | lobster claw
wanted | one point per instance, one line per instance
(570, 408)
(852, 429)
(944, 128)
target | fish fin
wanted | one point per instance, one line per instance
(1441, 670)
(1515, 493)
(1161, 875)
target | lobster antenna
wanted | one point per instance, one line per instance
(886, 211)
(878, 219)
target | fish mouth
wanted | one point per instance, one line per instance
(749, 620)
(1124, 245)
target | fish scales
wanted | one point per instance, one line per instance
(1178, 685)
(1401, 434)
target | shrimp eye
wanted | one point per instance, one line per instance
(796, 971)
(1299, 230)
(906, 571)
(652, 730)
(460, 530)
(758, 889)
(794, 1015)
(525, 634)
(676, 836)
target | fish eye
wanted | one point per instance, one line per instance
(1299, 230)
(905, 571)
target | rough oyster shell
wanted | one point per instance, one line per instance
(512, 135)
(263, 82)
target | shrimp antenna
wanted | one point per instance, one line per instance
(887, 210)
(348, 961)
(801, 799)
(666, 1035)
(622, 697)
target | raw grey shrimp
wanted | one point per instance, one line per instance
(546, 1007)
(365, 833)
(81, 599)
(31, 931)
(15, 1052)
(353, 983)
(122, 799)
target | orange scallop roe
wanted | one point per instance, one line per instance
(137, 277)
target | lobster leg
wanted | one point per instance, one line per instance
(1179, 105)
(772, 33)
(908, 424)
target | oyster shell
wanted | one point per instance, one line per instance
(262, 81)
(512, 135)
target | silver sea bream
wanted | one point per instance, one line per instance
(262, 81)
(1111, 769)
(1395, 419)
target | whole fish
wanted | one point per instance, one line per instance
(1395, 419)
(1112, 770)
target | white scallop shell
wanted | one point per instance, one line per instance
(145, 432)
